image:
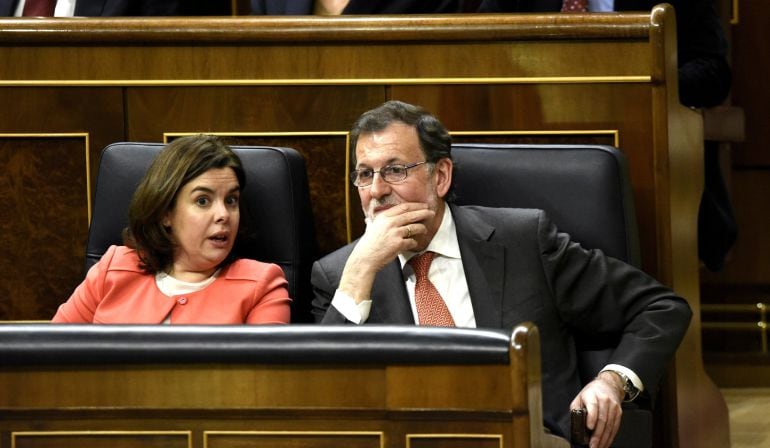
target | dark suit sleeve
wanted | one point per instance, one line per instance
(603, 297)
(323, 292)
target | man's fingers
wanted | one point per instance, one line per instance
(408, 212)
(413, 230)
(607, 423)
(405, 207)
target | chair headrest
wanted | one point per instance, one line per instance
(585, 189)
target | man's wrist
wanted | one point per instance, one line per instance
(611, 377)
(356, 282)
(356, 313)
(627, 388)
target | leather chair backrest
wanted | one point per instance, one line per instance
(275, 208)
(585, 190)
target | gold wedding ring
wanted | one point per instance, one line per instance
(408, 232)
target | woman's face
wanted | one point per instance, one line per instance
(203, 223)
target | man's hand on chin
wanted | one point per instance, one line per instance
(392, 231)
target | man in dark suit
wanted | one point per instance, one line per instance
(492, 268)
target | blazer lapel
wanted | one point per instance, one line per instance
(484, 265)
(390, 302)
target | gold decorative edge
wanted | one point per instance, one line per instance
(379, 434)
(85, 135)
(15, 434)
(633, 79)
(615, 133)
(166, 135)
(409, 437)
(735, 17)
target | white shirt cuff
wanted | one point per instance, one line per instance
(627, 372)
(347, 306)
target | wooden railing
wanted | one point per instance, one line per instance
(285, 386)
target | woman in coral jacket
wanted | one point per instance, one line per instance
(178, 264)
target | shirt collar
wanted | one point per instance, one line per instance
(444, 242)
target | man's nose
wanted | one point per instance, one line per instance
(379, 187)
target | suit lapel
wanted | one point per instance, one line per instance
(390, 302)
(484, 265)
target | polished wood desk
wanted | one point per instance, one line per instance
(70, 87)
(287, 386)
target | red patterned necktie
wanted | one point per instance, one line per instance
(431, 308)
(39, 8)
(574, 6)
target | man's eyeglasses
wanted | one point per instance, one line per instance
(392, 174)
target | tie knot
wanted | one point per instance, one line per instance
(574, 6)
(421, 263)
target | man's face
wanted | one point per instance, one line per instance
(398, 144)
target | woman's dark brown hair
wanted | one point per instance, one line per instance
(177, 164)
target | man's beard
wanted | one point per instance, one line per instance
(374, 203)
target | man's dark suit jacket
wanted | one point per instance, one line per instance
(135, 8)
(519, 268)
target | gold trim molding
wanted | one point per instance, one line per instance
(166, 135)
(615, 133)
(410, 437)
(15, 434)
(379, 434)
(629, 79)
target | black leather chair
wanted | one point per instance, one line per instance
(275, 209)
(586, 191)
